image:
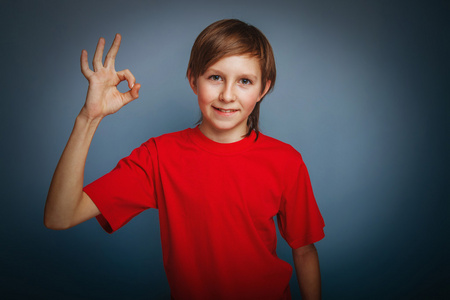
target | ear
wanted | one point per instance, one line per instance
(192, 82)
(266, 89)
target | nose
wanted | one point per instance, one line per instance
(227, 94)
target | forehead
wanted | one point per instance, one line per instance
(245, 64)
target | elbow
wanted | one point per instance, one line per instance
(304, 251)
(54, 220)
(53, 225)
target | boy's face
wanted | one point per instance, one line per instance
(227, 93)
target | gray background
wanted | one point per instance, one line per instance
(362, 93)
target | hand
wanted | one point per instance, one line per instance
(103, 97)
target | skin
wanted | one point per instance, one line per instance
(67, 205)
(306, 262)
(227, 93)
(232, 84)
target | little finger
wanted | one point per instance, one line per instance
(85, 65)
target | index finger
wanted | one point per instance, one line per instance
(111, 56)
(98, 55)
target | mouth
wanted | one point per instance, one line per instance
(225, 110)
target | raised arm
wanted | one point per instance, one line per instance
(67, 205)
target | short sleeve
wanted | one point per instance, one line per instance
(127, 190)
(299, 219)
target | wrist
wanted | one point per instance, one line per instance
(89, 123)
(87, 118)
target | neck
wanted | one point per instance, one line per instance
(222, 136)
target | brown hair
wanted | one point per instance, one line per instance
(233, 37)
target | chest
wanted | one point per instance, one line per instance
(205, 184)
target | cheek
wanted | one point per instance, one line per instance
(206, 94)
(204, 100)
(252, 98)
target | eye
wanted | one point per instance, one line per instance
(245, 81)
(215, 77)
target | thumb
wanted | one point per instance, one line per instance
(132, 94)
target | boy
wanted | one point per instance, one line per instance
(217, 186)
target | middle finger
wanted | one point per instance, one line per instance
(97, 60)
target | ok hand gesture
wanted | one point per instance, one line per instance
(103, 97)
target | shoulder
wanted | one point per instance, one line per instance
(278, 148)
(168, 139)
(176, 135)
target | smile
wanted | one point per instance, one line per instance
(225, 110)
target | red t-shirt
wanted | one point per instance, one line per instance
(216, 206)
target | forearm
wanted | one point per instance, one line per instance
(66, 189)
(306, 261)
(66, 204)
